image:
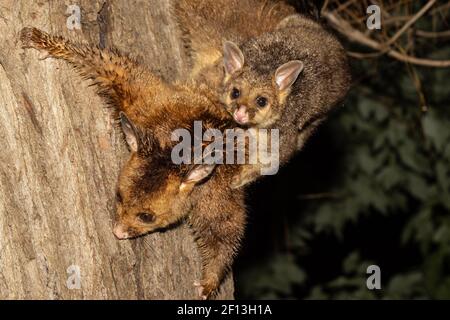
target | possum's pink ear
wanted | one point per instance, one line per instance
(233, 59)
(129, 130)
(196, 175)
(287, 73)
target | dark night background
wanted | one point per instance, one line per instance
(371, 187)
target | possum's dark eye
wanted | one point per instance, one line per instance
(146, 217)
(261, 102)
(235, 93)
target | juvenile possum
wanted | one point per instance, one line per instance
(289, 74)
(153, 192)
(288, 79)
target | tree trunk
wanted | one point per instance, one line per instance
(60, 157)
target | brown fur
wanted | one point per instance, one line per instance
(149, 182)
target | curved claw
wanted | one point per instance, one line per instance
(200, 288)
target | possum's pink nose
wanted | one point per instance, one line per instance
(241, 115)
(120, 232)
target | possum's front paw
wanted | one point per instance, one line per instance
(206, 287)
(241, 180)
(247, 175)
(236, 182)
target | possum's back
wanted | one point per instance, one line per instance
(205, 24)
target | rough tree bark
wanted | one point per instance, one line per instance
(60, 157)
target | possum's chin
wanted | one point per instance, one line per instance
(242, 122)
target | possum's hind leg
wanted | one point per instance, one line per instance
(218, 239)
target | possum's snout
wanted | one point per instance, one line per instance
(120, 231)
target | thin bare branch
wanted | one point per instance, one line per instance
(356, 36)
(430, 34)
